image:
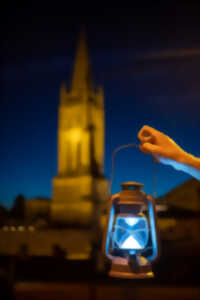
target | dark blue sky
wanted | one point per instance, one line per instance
(148, 61)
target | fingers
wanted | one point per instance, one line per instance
(144, 150)
(147, 134)
(149, 148)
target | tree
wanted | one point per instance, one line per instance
(18, 209)
(3, 214)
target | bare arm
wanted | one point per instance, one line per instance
(166, 151)
(188, 164)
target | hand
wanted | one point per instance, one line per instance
(162, 147)
(166, 151)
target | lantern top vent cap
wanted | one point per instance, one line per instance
(130, 185)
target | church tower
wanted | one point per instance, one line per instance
(79, 189)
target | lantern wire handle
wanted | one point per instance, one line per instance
(154, 178)
(112, 168)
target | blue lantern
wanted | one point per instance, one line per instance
(130, 241)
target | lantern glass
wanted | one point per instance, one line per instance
(130, 232)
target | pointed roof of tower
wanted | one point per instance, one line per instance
(82, 78)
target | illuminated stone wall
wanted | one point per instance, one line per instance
(37, 207)
(79, 189)
(41, 242)
(179, 229)
(78, 147)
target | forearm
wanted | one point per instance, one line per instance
(191, 165)
(184, 162)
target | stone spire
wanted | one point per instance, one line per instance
(82, 78)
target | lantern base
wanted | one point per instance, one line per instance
(124, 271)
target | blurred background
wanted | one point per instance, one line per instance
(77, 81)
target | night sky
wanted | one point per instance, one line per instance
(146, 58)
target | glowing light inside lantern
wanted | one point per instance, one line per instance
(131, 221)
(131, 243)
(131, 233)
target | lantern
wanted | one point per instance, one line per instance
(130, 240)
